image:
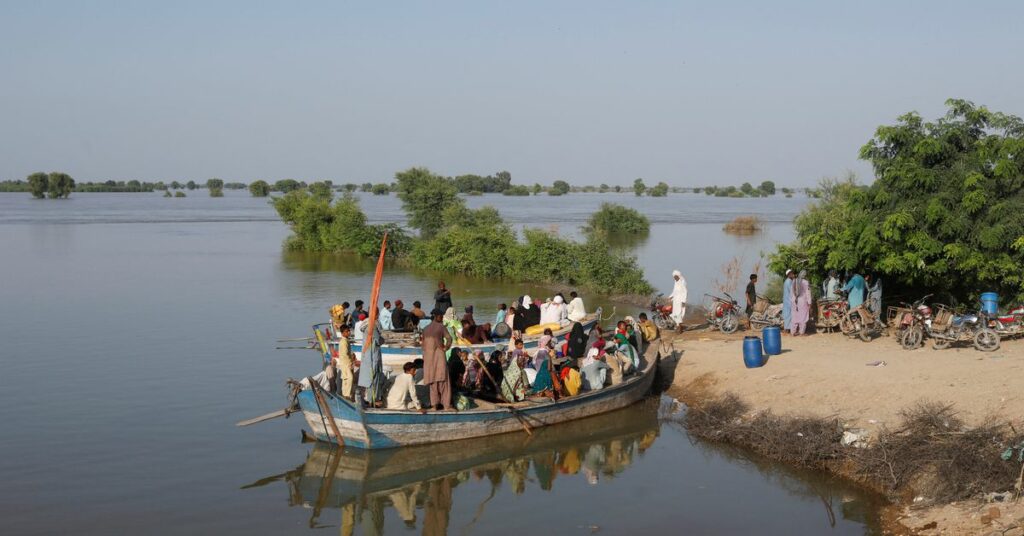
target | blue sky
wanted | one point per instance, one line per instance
(589, 92)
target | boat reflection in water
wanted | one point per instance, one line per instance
(417, 482)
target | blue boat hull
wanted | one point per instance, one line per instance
(381, 428)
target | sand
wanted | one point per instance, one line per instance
(830, 374)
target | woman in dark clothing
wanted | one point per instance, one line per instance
(494, 371)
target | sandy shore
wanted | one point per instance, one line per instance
(832, 375)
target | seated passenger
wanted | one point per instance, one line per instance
(417, 311)
(402, 320)
(594, 375)
(494, 374)
(476, 334)
(648, 329)
(403, 392)
(575, 311)
(359, 332)
(619, 363)
(385, 317)
(515, 383)
(571, 381)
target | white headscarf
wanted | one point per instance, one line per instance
(677, 273)
(558, 299)
(527, 301)
(591, 357)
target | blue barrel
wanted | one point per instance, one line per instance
(990, 302)
(772, 340)
(752, 356)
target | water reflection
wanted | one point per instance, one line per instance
(417, 483)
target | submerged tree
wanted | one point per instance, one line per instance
(259, 188)
(216, 187)
(944, 215)
(639, 187)
(38, 183)
(659, 190)
(425, 197)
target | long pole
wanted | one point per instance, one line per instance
(372, 324)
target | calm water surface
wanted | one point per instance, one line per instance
(135, 330)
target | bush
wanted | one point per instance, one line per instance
(259, 188)
(286, 185)
(317, 225)
(743, 225)
(380, 189)
(321, 190)
(38, 183)
(559, 188)
(179, 194)
(617, 219)
(167, 193)
(518, 190)
(659, 190)
(639, 187)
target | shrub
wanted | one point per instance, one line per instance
(617, 219)
(659, 190)
(425, 197)
(743, 225)
(518, 190)
(259, 188)
(380, 189)
(559, 188)
(179, 194)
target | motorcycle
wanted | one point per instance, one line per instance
(947, 328)
(722, 313)
(1010, 324)
(914, 323)
(859, 322)
(661, 314)
(765, 314)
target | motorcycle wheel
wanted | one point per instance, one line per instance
(864, 334)
(662, 322)
(729, 323)
(912, 338)
(986, 340)
(941, 344)
(846, 325)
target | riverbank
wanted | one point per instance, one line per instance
(866, 387)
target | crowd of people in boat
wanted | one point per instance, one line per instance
(523, 314)
(451, 373)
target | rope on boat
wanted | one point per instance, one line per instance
(609, 317)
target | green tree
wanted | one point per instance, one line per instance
(191, 185)
(59, 185)
(559, 188)
(179, 194)
(945, 214)
(286, 185)
(321, 190)
(38, 183)
(618, 189)
(259, 188)
(366, 187)
(537, 188)
(767, 188)
(425, 196)
(659, 190)
(380, 189)
(639, 187)
(216, 187)
(175, 185)
(603, 188)
(517, 190)
(747, 188)
(350, 187)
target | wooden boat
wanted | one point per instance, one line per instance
(400, 348)
(367, 428)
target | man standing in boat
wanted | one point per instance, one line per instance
(436, 342)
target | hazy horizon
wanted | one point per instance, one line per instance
(587, 92)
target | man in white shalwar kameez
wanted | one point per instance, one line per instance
(678, 297)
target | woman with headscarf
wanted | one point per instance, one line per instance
(577, 347)
(678, 297)
(514, 383)
(557, 311)
(800, 298)
(543, 351)
(787, 300)
(527, 314)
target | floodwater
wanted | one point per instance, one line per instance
(136, 330)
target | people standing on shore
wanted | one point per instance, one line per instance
(787, 300)
(831, 287)
(678, 298)
(443, 297)
(801, 304)
(575, 311)
(436, 343)
(875, 295)
(751, 294)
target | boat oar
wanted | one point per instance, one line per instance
(273, 415)
(294, 339)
